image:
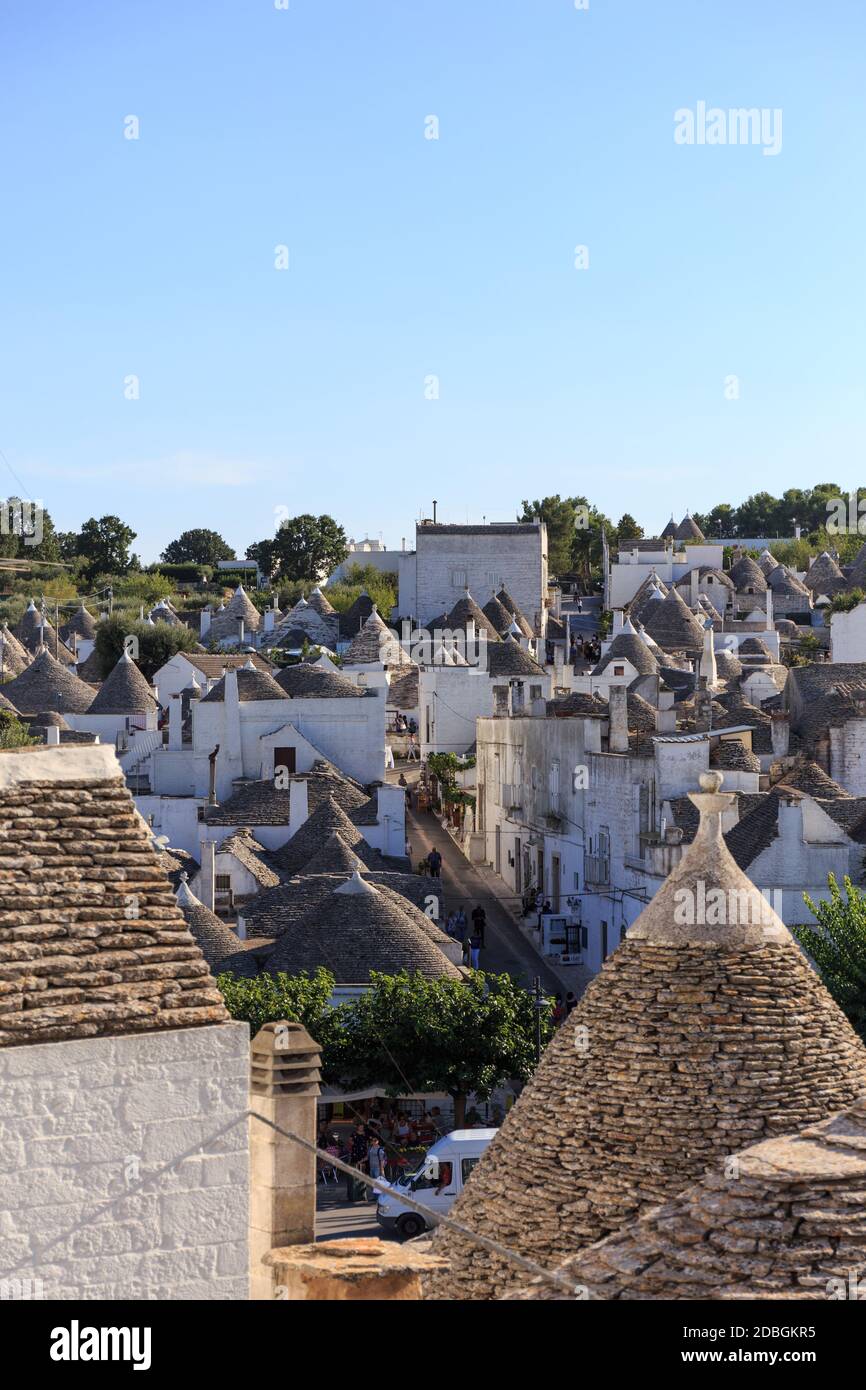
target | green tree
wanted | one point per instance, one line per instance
(627, 528)
(272, 998)
(838, 947)
(305, 548)
(14, 733)
(586, 548)
(558, 514)
(157, 644)
(198, 546)
(416, 1034)
(104, 544)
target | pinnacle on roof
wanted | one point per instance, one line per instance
(687, 1045)
(124, 690)
(212, 936)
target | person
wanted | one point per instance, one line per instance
(451, 924)
(389, 756)
(467, 950)
(413, 727)
(475, 950)
(434, 859)
(401, 780)
(546, 908)
(539, 904)
(579, 604)
(460, 921)
(437, 1120)
(479, 921)
(403, 1129)
(557, 1013)
(412, 750)
(376, 1159)
(570, 1002)
(358, 1146)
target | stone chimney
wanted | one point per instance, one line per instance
(694, 587)
(206, 615)
(208, 873)
(284, 1085)
(666, 714)
(618, 712)
(780, 732)
(299, 808)
(617, 625)
(708, 656)
(52, 735)
(269, 618)
(770, 623)
(175, 722)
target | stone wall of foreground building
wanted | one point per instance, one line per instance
(87, 1128)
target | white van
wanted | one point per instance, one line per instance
(437, 1182)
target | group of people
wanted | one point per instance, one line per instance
(374, 1146)
(585, 649)
(471, 938)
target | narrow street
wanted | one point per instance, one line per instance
(463, 886)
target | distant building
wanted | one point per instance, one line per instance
(448, 560)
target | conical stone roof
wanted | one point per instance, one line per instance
(824, 576)
(499, 616)
(504, 597)
(308, 839)
(782, 1220)
(15, 657)
(688, 530)
(47, 684)
(746, 573)
(33, 633)
(375, 642)
(318, 601)
(465, 609)
(213, 937)
(767, 562)
(6, 703)
(358, 929)
(670, 530)
(673, 625)
(124, 691)
(81, 624)
(335, 857)
(646, 598)
(695, 1039)
(309, 681)
(629, 646)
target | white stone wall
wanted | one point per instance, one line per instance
(485, 560)
(848, 635)
(87, 1129)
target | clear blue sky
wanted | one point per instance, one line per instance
(304, 389)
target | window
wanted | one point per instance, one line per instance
(284, 758)
(466, 1167)
(500, 699)
(223, 883)
(619, 670)
(535, 692)
(459, 578)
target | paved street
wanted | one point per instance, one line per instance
(463, 884)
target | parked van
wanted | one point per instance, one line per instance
(437, 1182)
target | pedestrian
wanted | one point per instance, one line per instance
(434, 859)
(475, 950)
(460, 919)
(412, 750)
(579, 604)
(358, 1146)
(376, 1159)
(479, 921)
(401, 780)
(557, 1013)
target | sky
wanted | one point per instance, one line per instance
(432, 335)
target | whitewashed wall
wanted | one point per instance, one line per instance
(84, 1124)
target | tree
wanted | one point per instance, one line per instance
(627, 528)
(198, 546)
(586, 549)
(305, 548)
(839, 947)
(14, 733)
(157, 644)
(105, 545)
(559, 516)
(416, 1034)
(272, 998)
